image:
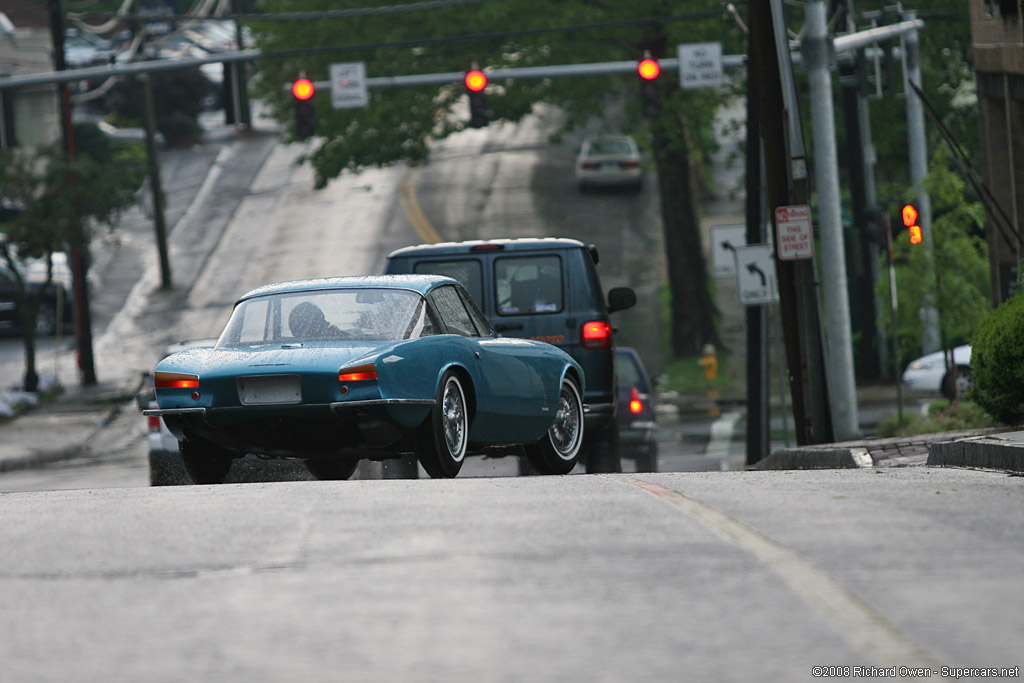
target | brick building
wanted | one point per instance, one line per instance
(997, 37)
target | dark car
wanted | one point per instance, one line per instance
(548, 290)
(637, 421)
(56, 307)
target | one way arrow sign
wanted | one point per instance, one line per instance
(755, 274)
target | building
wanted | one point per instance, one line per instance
(997, 37)
(29, 117)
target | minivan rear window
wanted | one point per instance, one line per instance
(528, 285)
(466, 271)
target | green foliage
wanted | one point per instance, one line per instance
(997, 361)
(56, 197)
(958, 277)
(400, 122)
(948, 83)
(943, 416)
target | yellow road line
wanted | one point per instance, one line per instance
(411, 206)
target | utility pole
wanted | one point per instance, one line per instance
(758, 441)
(917, 146)
(79, 246)
(817, 52)
(785, 185)
(155, 183)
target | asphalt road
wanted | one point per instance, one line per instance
(715, 576)
(709, 577)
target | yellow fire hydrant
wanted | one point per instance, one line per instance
(709, 363)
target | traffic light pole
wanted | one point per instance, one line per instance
(917, 147)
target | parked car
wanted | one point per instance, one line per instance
(609, 161)
(547, 290)
(636, 416)
(331, 371)
(56, 309)
(930, 374)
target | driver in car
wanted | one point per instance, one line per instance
(307, 321)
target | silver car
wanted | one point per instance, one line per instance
(609, 161)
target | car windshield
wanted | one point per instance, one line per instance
(364, 314)
(610, 146)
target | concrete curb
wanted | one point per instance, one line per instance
(998, 448)
(995, 452)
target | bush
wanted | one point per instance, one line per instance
(997, 362)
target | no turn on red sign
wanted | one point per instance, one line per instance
(794, 239)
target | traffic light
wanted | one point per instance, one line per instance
(305, 117)
(910, 220)
(476, 81)
(650, 99)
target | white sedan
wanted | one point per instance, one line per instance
(929, 373)
(609, 161)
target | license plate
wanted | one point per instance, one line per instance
(269, 390)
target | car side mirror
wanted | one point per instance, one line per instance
(621, 298)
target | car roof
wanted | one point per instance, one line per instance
(507, 245)
(415, 283)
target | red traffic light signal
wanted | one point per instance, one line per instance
(476, 80)
(303, 89)
(910, 215)
(648, 68)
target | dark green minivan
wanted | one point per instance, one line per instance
(545, 289)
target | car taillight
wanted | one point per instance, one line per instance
(154, 423)
(635, 404)
(590, 165)
(358, 373)
(629, 164)
(597, 335)
(176, 380)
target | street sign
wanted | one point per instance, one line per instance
(755, 275)
(700, 65)
(724, 240)
(348, 85)
(793, 232)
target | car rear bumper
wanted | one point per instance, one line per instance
(297, 431)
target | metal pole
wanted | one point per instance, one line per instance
(839, 369)
(917, 146)
(155, 183)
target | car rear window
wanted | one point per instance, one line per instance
(626, 371)
(466, 271)
(528, 285)
(610, 147)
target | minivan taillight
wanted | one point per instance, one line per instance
(597, 335)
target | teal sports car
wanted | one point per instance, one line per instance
(331, 371)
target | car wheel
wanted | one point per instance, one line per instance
(601, 450)
(559, 450)
(205, 462)
(444, 436)
(647, 458)
(958, 384)
(332, 469)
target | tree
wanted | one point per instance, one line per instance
(400, 122)
(52, 193)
